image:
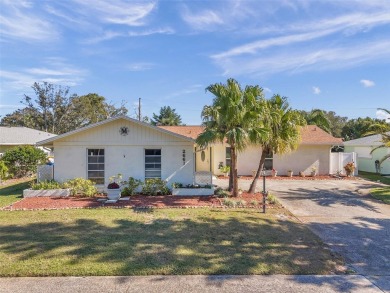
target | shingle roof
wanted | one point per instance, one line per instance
(371, 140)
(311, 134)
(191, 131)
(22, 135)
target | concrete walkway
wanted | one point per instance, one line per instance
(345, 217)
(204, 284)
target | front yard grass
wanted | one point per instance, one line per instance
(120, 242)
(381, 193)
(9, 193)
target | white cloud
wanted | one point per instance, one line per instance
(118, 11)
(316, 90)
(380, 114)
(305, 59)
(18, 21)
(164, 31)
(205, 20)
(367, 83)
(140, 66)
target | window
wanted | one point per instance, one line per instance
(269, 161)
(228, 157)
(96, 165)
(153, 163)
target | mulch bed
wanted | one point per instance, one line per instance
(168, 201)
(281, 177)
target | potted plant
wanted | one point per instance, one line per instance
(290, 173)
(274, 173)
(301, 174)
(313, 171)
(225, 170)
(349, 168)
(114, 188)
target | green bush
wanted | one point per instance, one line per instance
(219, 192)
(3, 171)
(81, 186)
(131, 187)
(23, 160)
(229, 203)
(51, 184)
(271, 199)
(155, 186)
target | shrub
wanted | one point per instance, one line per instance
(225, 169)
(3, 171)
(81, 186)
(177, 185)
(155, 186)
(131, 187)
(219, 192)
(229, 203)
(241, 203)
(50, 184)
(271, 199)
(23, 160)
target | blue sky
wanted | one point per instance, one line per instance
(333, 55)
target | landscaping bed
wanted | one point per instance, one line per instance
(281, 177)
(139, 201)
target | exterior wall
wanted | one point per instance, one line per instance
(218, 156)
(124, 154)
(367, 163)
(249, 160)
(303, 159)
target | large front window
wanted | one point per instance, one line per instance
(96, 165)
(269, 161)
(153, 163)
(228, 157)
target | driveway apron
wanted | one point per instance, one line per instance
(345, 217)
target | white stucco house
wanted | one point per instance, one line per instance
(122, 145)
(366, 161)
(313, 151)
(12, 136)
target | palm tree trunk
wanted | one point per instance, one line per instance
(230, 177)
(234, 173)
(252, 188)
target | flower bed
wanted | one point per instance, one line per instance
(138, 201)
(46, 192)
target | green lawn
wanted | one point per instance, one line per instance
(374, 177)
(162, 241)
(13, 192)
(381, 193)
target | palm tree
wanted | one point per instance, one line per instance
(317, 117)
(167, 116)
(229, 119)
(383, 131)
(283, 134)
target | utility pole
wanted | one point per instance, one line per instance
(139, 109)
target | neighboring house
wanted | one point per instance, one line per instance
(313, 151)
(122, 145)
(363, 147)
(16, 136)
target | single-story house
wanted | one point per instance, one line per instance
(313, 152)
(16, 136)
(122, 145)
(363, 147)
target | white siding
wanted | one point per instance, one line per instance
(124, 154)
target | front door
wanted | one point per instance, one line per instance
(203, 159)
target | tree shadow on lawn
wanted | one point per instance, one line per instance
(365, 244)
(327, 197)
(203, 245)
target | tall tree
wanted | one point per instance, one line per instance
(55, 111)
(230, 119)
(317, 117)
(167, 116)
(356, 128)
(283, 134)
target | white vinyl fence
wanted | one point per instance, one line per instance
(339, 160)
(45, 172)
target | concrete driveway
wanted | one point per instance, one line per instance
(342, 214)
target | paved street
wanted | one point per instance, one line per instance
(341, 213)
